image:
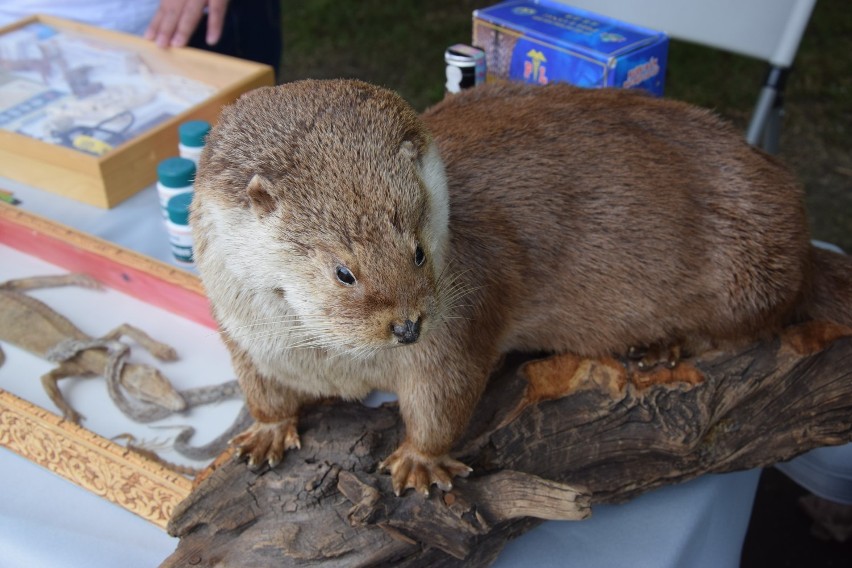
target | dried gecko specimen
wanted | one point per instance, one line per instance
(34, 327)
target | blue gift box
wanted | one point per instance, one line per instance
(545, 41)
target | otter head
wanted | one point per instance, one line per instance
(347, 189)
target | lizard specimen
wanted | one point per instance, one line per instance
(33, 326)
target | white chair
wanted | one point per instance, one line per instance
(769, 30)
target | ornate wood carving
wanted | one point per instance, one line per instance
(105, 468)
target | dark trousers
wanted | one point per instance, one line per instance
(252, 31)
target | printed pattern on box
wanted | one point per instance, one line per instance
(545, 41)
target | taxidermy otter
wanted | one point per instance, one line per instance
(348, 244)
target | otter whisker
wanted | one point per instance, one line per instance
(313, 339)
(285, 319)
(298, 333)
(362, 353)
(291, 319)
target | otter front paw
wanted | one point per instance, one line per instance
(411, 469)
(267, 442)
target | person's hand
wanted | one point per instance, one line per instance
(176, 20)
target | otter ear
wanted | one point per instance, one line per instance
(262, 201)
(408, 150)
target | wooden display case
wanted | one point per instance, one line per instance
(139, 484)
(79, 163)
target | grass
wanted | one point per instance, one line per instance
(401, 44)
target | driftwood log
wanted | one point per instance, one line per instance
(551, 437)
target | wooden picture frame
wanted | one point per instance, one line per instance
(141, 485)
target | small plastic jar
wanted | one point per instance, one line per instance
(174, 176)
(192, 135)
(180, 235)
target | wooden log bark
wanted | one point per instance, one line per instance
(549, 438)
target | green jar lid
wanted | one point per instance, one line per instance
(178, 208)
(176, 172)
(193, 133)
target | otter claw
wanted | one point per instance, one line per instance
(411, 469)
(635, 352)
(649, 357)
(266, 442)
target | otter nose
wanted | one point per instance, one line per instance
(406, 332)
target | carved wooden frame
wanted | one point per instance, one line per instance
(140, 485)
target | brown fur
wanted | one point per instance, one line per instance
(829, 298)
(582, 221)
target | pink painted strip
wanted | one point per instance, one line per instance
(111, 272)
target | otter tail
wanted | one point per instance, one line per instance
(830, 294)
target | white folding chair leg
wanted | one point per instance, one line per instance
(764, 128)
(772, 130)
(760, 116)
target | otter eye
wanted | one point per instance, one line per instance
(344, 276)
(419, 256)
